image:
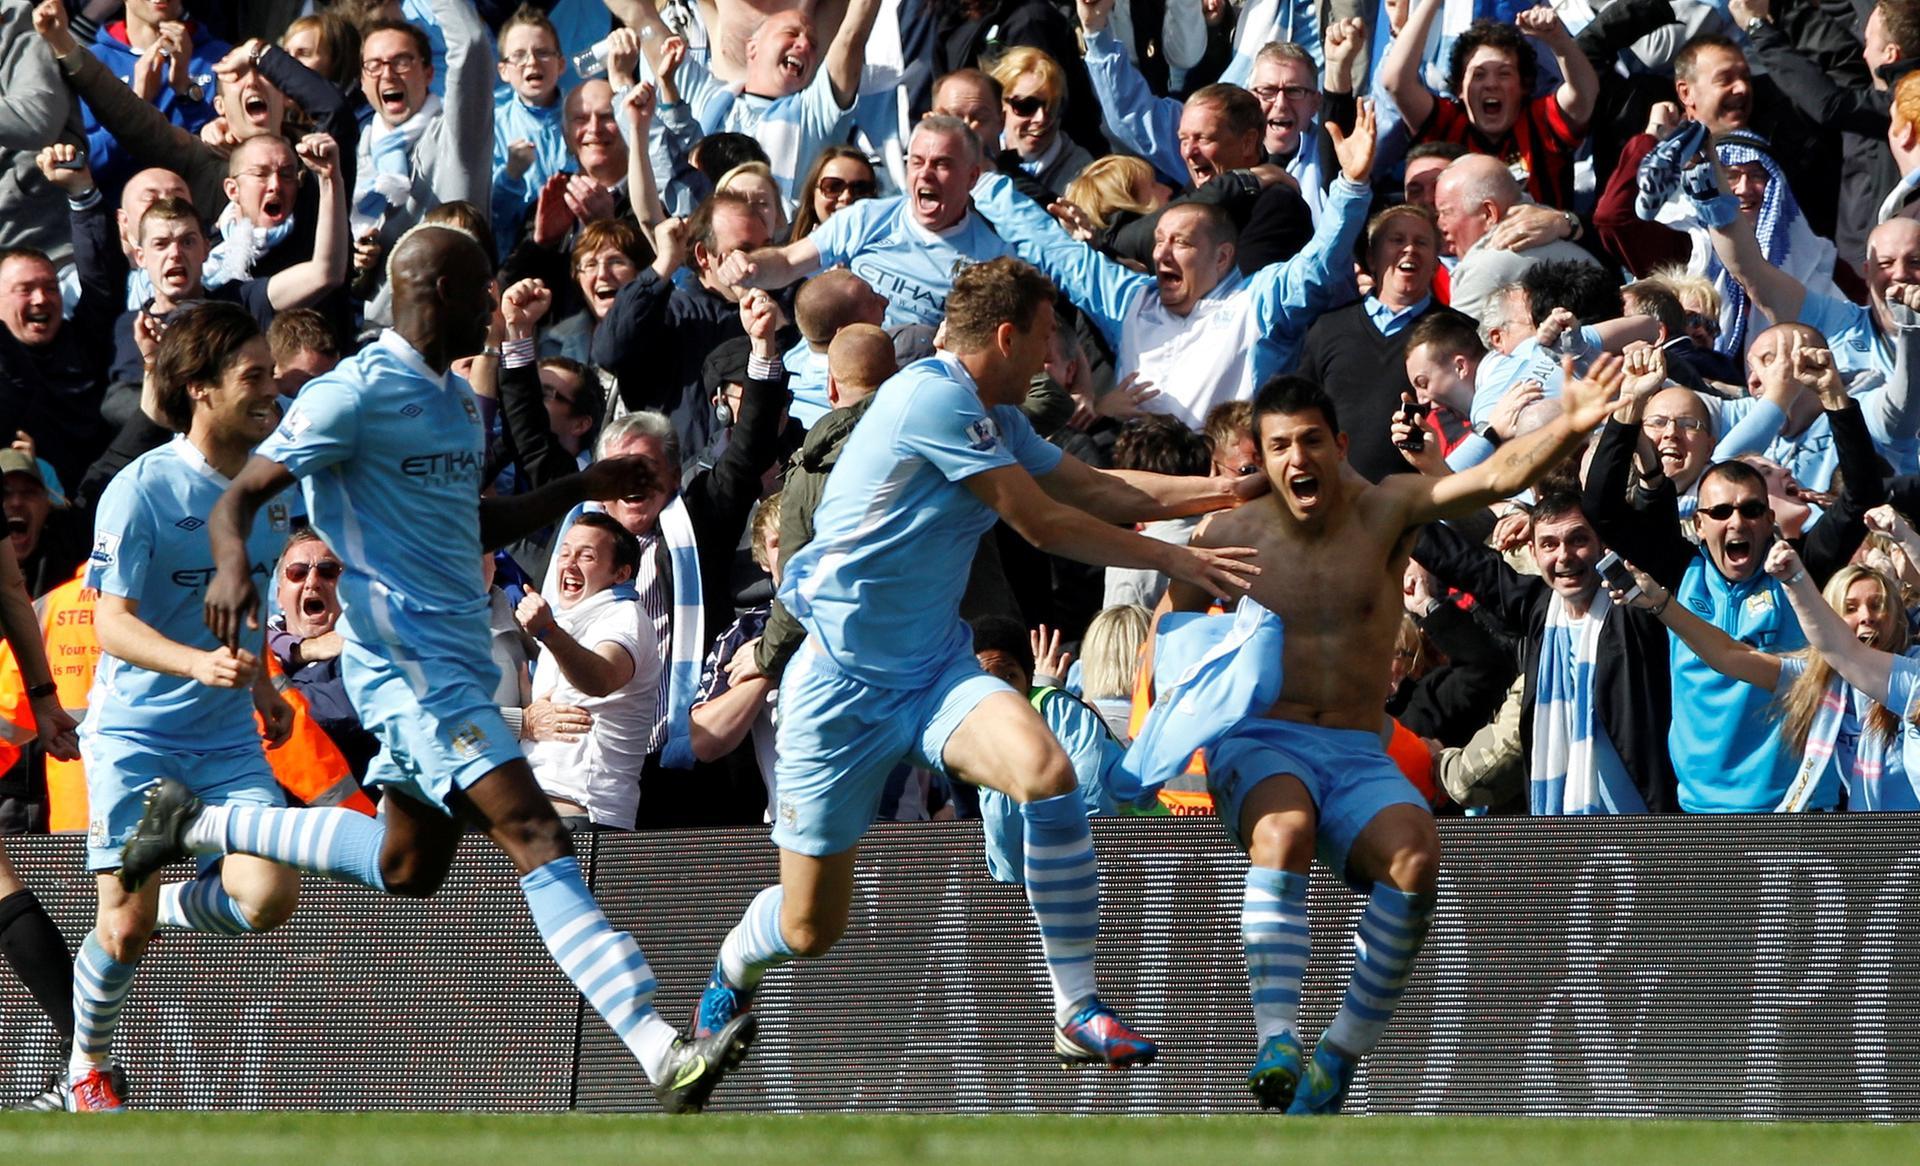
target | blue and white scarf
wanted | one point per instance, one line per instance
(384, 180)
(1575, 769)
(687, 635)
(1870, 753)
(686, 625)
(242, 245)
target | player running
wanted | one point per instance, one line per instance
(169, 700)
(388, 448)
(1309, 775)
(888, 669)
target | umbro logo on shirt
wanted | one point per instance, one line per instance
(190, 523)
(411, 411)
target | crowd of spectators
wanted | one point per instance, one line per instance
(721, 226)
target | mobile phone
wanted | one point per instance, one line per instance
(1416, 442)
(77, 162)
(1615, 574)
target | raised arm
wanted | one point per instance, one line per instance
(1893, 409)
(847, 55)
(1867, 669)
(1586, 401)
(1721, 652)
(305, 282)
(233, 602)
(469, 103)
(21, 626)
(1772, 290)
(642, 193)
(1400, 68)
(1139, 119)
(1097, 285)
(1579, 85)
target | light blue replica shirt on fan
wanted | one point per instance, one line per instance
(913, 267)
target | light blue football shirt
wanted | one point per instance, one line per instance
(911, 266)
(879, 586)
(390, 456)
(150, 545)
(791, 129)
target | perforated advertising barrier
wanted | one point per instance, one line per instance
(1735, 968)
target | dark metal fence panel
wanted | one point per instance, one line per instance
(1732, 968)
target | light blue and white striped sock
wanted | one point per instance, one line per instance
(1273, 926)
(202, 905)
(340, 844)
(606, 965)
(1063, 887)
(100, 985)
(755, 944)
(1391, 930)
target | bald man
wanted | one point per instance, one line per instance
(1474, 193)
(823, 306)
(388, 445)
(859, 361)
(1861, 338)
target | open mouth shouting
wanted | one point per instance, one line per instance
(255, 107)
(573, 584)
(274, 210)
(928, 202)
(793, 68)
(313, 606)
(1738, 550)
(603, 292)
(39, 322)
(393, 103)
(1303, 488)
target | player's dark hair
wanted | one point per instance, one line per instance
(1504, 38)
(987, 295)
(200, 342)
(1003, 633)
(626, 548)
(1159, 444)
(1589, 291)
(1288, 395)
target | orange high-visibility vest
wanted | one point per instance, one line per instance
(66, 621)
(310, 766)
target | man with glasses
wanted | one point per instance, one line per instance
(1726, 739)
(421, 150)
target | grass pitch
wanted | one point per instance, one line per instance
(416, 1139)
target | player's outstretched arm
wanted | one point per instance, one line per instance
(1137, 496)
(1585, 403)
(233, 603)
(509, 519)
(1060, 529)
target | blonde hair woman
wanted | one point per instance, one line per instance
(1109, 656)
(1033, 93)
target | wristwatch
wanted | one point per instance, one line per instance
(42, 691)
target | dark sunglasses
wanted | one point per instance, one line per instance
(297, 572)
(1026, 106)
(858, 187)
(1751, 508)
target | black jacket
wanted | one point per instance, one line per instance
(654, 340)
(1633, 693)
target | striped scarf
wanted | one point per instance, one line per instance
(1869, 756)
(687, 625)
(1778, 210)
(1566, 767)
(688, 636)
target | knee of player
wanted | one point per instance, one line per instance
(410, 879)
(273, 906)
(810, 938)
(1048, 774)
(124, 933)
(1416, 864)
(1278, 844)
